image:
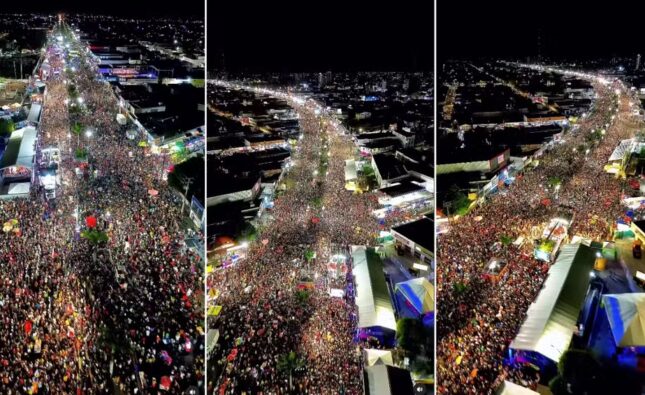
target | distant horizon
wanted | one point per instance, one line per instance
(117, 8)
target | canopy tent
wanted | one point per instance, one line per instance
(626, 316)
(619, 152)
(419, 292)
(510, 388)
(551, 319)
(211, 339)
(387, 380)
(372, 296)
(121, 119)
(34, 113)
(373, 356)
(19, 188)
(350, 170)
(20, 150)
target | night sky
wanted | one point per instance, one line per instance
(504, 28)
(135, 8)
(337, 36)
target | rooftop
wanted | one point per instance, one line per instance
(421, 232)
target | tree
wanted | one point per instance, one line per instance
(578, 373)
(6, 127)
(506, 240)
(554, 181)
(302, 296)
(310, 255)
(248, 232)
(81, 153)
(289, 363)
(459, 288)
(77, 128)
(317, 202)
(94, 236)
(410, 335)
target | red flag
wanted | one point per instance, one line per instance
(27, 327)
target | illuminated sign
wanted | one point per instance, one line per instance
(419, 266)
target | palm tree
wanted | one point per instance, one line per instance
(309, 255)
(77, 128)
(95, 237)
(288, 363)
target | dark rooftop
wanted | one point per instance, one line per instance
(421, 232)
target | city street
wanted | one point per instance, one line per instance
(480, 318)
(264, 315)
(98, 290)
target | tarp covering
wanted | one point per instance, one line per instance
(21, 149)
(626, 315)
(19, 188)
(621, 149)
(34, 113)
(510, 388)
(372, 296)
(419, 292)
(211, 339)
(551, 318)
(374, 356)
(350, 170)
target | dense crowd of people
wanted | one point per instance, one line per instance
(78, 316)
(264, 314)
(480, 318)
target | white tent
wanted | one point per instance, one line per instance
(212, 337)
(34, 113)
(626, 315)
(419, 292)
(510, 388)
(551, 319)
(372, 296)
(350, 170)
(121, 119)
(19, 188)
(373, 356)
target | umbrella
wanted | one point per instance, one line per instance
(165, 383)
(90, 221)
(143, 143)
(153, 192)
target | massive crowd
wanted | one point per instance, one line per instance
(79, 317)
(479, 318)
(264, 317)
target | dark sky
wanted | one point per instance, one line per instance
(109, 7)
(566, 28)
(326, 35)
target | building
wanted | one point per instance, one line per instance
(388, 169)
(227, 189)
(416, 240)
(381, 379)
